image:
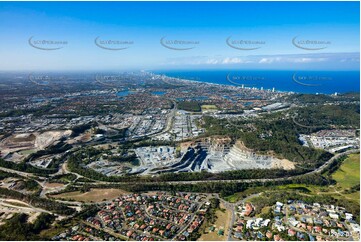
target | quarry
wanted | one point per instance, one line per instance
(211, 155)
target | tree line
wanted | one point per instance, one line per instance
(36, 201)
(17, 228)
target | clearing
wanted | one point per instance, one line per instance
(222, 223)
(209, 107)
(94, 195)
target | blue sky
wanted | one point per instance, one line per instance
(325, 34)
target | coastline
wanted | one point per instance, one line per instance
(285, 83)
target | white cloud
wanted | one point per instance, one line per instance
(233, 60)
(266, 59)
(269, 60)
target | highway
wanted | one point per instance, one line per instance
(318, 170)
(65, 170)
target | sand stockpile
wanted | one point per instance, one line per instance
(283, 164)
(48, 138)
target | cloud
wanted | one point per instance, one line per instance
(266, 60)
(233, 60)
(269, 60)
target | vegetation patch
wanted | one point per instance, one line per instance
(189, 106)
(348, 174)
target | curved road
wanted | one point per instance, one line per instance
(318, 170)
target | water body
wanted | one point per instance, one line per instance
(327, 82)
(201, 98)
(123, 93)
(158, 93)
(38, 99)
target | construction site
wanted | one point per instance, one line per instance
(19, 145)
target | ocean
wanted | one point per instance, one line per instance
(312, 82)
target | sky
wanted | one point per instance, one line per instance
(179, 35)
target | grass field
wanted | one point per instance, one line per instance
(27, 152)
(95, 195)
(209, 107)
(348, 174)
(234, 198)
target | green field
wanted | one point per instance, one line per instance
(27, 152)
(348, 174)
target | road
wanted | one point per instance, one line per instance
(21, 173)
(233, 207)
(169, 121)
(107, 230)
(325, 237)
(186, 226)
(25, 207)
(65, 170)
(318, 170)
